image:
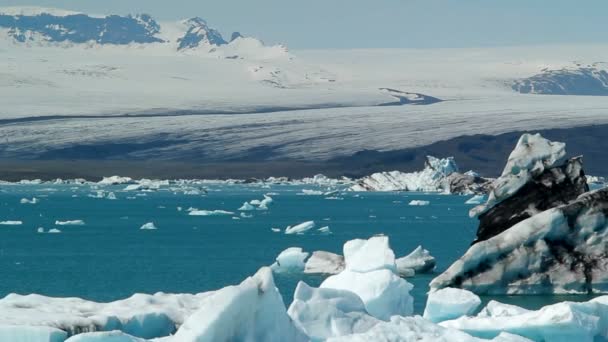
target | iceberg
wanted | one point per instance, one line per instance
(70, 223)
(531, 156)
(565, 321)
(197, 212)
(34, 200)
(300, 228)
(477, 199)
(105, 336)
(290, 260)
(419, 203)
(115, 180)
(324, 230)
(418, 261)
(369, 255)
(246, 207)
(251, 311)
(11, 223)
(561, 250)
(25, 333)
(148, 226)
(450, 303)
(40, 230)
(322, 313)
(111, 196)
(54, 231)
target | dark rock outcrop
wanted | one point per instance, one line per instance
(555, 186)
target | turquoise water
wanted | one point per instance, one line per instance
(110, 258)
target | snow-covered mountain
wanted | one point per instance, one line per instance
(579, 80)
(42, 26)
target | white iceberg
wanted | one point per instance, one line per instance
(111, 196)
(29, 333)
(148, 226)
(419, 203)
(432, 178)
(324, 230)
(197, 212)
(450, 303)
(105, 336)
(322, 312)
(300, 228)
(251, 311)
(311, 192)
(34, 200)
(369, 255)
(246, 207)
(321, 262)
(11, 223)
(40, 230)
(290, 260)
(565, 321)
(383, 292)
(115, 180)
(70, 223)
(54, 231)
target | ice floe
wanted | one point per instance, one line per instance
(148, 226)
(54, 231)
(34, 200)
(419, 203)
(196, 212)
(290, 260)
(115, 180)
(450, 303)
(70, 223)
(11, 223)
(477, 199)
(321, 262)
(300, 228)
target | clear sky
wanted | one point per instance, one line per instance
(376, 23)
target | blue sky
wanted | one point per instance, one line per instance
(377, 23)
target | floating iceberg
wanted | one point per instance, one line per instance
(311, 192)
(370, 273)
(40, 230)
(148, 226)
(450, 303)
(54, 231)
(11, 223)
(111, 196)
(115, 180)
(251, 311)
(196, 212)
(324, 230)
(531, 156)
(419, 203)
(290, 260)
(70, 223)
(246, 207)
(34, 200)
(105, 336)
(565, 321)
(300, 228)
(25, 333)
(418, 261)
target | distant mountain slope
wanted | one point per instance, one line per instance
(30, 25)
(589, 80)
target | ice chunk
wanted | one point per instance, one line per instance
(324, 230)
(265, 203)
(246, 207)
(322, 313)
(311, 192)
(114, 180)
(245, 215)
(290, 260)
(111, 196)
(25, 333)
(197, 212)
(251, 311)
(531, 156)
(497, 309)
(34, 200)
(300, 228)
(419, 203)
(321, 262)
(276, 230)
(384, 293)
(565, 321)
(419, 261)
(477, 199)
(54, 231)
(148, 226)
(107, 336)
(369, 255)
(70, 223)
(450, 303)
(11, 223)
(40, 230)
